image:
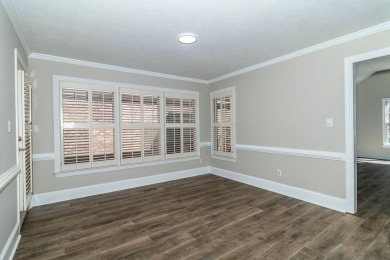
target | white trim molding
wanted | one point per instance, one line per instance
(43, 157)
(343, 39)
(75, 193)
(293, 152)
(45, 57)
(12, 243)
(294, 192)
(8, 176)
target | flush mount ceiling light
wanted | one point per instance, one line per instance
(187, 39)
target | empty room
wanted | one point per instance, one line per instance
(195, 129)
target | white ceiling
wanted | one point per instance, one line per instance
(232, 34)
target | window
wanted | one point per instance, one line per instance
(107, 125)
(223, 123)
(141, 125)
(180, 125)
(88, 126)
(386, 122)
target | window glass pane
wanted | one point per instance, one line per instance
(103, 107)
(75, 146)
(103, 144)
(75, 107)
(173, 140)
(189, 139)
(152, 142)
(131, 143)
(172, 110)
(131, 108)
(189, 111)
(151, 109)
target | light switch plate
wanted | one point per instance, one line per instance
(9, 126)
(329, 122)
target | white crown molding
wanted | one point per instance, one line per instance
(14, 18)
(46, 57)
(69, 194)
(12, 243)
(293, 152)
(343, 39)
(8, 176)
(291, 191)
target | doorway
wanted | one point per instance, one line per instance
(350, 123)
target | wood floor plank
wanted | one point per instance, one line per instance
(209, 217)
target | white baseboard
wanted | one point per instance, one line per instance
(294, 192)
(69, 194)
(11, 245)
(298, 193)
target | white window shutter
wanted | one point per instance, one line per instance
(180, 125)
(75, 132)
(140, 125)
(222, 124)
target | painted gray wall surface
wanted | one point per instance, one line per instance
(41, 73)
(369, 95)
(8, 212)
(285, 105)
(8, 196)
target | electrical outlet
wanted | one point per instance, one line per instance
(279, 172)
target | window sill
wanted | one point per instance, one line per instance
(386, 145)
(123, 167)
(224, 158)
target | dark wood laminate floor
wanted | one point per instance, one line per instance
(209, 217)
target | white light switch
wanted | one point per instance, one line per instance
(9, 126)
(329, 122)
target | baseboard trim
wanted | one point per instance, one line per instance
(8, 176)
(69, 194)
(294, 192)
(12, 243)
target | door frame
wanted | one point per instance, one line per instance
(350, 123)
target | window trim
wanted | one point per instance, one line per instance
(118, 166)
(385, 134)
(233, 157)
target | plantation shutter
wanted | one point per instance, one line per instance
(88, 126)
(180, 125)
(140, 125)
(75, 126)
(222, 124)
(103, 126)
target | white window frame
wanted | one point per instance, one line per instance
(57, 116)
(216, 154)
(385, 123)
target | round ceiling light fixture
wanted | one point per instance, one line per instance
(187, 39)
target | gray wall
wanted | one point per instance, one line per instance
(41, 73)
(369, 94)
(8, 195)
(286, 105)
